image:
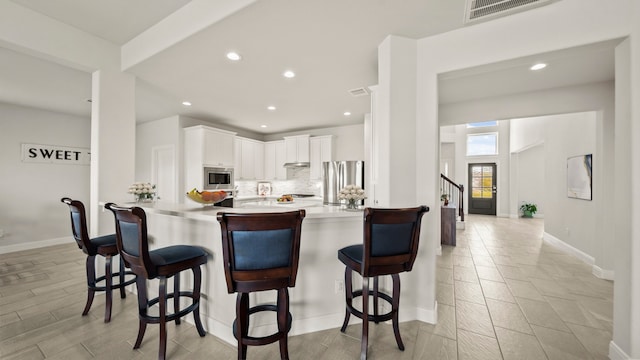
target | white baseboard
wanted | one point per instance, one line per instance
(568, 248)
(5, 249)
(615, 353)
(439, 250)
(602, 273)
(305, 326)
(460, 225)
(595, 269)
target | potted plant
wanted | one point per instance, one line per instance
(528, 209)
(444, 198)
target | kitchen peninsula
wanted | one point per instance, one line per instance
(317, 300)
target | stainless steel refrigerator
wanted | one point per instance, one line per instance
(338, 174)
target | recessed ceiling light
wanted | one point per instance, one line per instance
(233, 56)
(186, 103)
(346, 113)
(289, 74)
(263, 126)
(271, 107)
(539, 66)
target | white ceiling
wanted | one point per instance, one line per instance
(331, 44)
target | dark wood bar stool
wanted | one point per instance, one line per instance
(104, 246)
(261, 252)
(390, 247)
(163, 263)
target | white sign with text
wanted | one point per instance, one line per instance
(53, 154)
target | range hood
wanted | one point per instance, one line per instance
(296, 165)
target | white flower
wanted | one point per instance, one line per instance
(351, 193)
(142, 189)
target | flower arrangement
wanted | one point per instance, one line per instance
(142, 191)
(353, 194)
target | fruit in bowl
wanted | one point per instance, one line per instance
(285, 199)
(207, 197)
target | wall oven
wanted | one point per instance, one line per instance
(216, 178)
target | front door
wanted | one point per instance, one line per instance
(482, 195)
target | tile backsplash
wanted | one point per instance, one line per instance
(297, 183)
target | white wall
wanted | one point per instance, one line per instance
(530, 178)
(570, 220)
(30, 193)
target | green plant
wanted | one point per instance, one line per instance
(444, 197)
(528, 209)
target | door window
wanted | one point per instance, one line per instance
(482, 182)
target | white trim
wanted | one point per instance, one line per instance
(615, 353)
(602, 273)
(309, 325)
(552, 240)
(5, 249)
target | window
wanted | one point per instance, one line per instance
(482, 124)
(482, 144)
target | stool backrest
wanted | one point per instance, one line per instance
(260, 250)
(391, 238)
(79, 225)
(131, 238)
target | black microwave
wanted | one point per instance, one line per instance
(218, 178)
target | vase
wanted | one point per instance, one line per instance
(352, 205)
(143, 198)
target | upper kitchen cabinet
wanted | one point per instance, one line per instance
(297, 148)
(274, 159)
(320, 150)
(249, 156)
(205, 146)
(209, 146)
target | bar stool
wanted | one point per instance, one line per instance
(163, 263)
(261, 252)
(390, 247)
(104, 246)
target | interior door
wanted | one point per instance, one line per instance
(482, 192)
(163, 170)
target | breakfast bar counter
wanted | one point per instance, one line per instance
(317, 300)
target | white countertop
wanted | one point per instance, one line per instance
(192, 210)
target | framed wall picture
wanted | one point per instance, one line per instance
(579, 178)
(264, 188)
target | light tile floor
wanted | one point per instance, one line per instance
(502, 294)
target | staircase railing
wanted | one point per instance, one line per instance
(455, 193)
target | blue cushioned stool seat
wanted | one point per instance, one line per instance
(261, 252)
(389, 247)
(163, 264)
(174, 254)
(99, 246)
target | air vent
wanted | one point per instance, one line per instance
(480, 10)
(358, 92)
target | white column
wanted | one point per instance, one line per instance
(635, 180)
(406, 165)
(112, 144)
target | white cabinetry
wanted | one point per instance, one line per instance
(249, 164)
(274, 159)
(215, 146)
(297, 148)
(320, 150)
(205, 146)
